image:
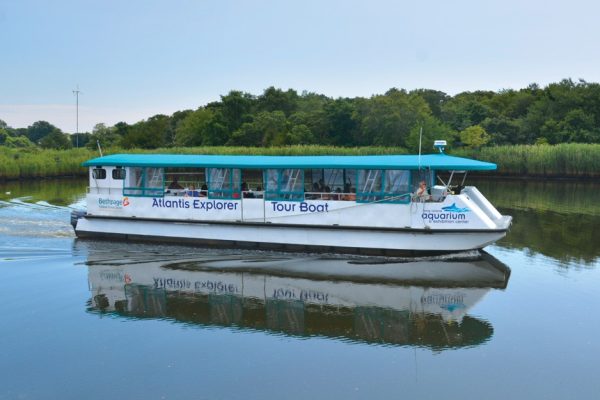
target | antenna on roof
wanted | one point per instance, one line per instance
(440, 145)
(99, 148)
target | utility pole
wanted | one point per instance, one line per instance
(76, 93)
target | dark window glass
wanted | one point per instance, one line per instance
(99, 173)
(118, 173)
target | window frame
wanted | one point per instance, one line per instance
(95, 177)
(145, 191)
(232, 188)
(123, 171)
(283, 195)
(380, 196)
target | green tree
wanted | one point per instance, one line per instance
(387, 120)
(174, 121)
(195, 128)
(341, 125)
(20, 142)
(3, 134)
(300, 134)
(148, 134)
(578, 126)
(434, 98)
(433, 129)
(39, 130)
(274, 99)
(467, 109)
(235, 109)
(121, 128)
(106, 136)
(502, 130)
(474, 137)
(56, 140)
(267, 129)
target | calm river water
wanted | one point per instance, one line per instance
(108, 320)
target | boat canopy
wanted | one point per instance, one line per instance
(411, 162)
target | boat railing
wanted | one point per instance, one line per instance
(103, 190)
(330, 196)
(189, 192)
(253, 194)
(256, 194)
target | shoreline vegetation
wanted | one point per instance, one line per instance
(572, 161)
(534, 132)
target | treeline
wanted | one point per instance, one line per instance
(563, 112)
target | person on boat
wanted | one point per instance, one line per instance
(192, 192)
(314, 193)
(326, 193)
(348, 194)
(337, 194)
(246, 193)
(321, 186)
(175, 184)
(204, 191)
(422, 194)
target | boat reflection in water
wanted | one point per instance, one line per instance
(387, 301)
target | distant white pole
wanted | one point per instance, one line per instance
(76, 93)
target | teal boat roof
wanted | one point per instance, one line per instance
(432, 161)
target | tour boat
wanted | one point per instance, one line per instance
(386, 204)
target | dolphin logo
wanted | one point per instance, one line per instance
(455, 209)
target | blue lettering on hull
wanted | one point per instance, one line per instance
(301, 207)
(196, 204)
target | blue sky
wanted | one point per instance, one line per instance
(133, 59)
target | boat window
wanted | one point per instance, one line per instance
(396, 186)
(144, 182)
(389, 186)
(369, 185)
(330, 184)
(154, 182)
(284, 184)
(118, 173)
(134, 182)
(224, 183)
(99, 173)
(183, 181)
(252, 183)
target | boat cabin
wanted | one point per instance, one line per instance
(362, 179)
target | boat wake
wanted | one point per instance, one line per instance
(21, 218)
(24, 253)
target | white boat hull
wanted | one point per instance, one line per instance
(291, 237)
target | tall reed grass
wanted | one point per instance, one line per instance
(572, 160)
(38, 163)
(564, 160)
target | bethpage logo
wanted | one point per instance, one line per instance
(111, 203)
(447, 215)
